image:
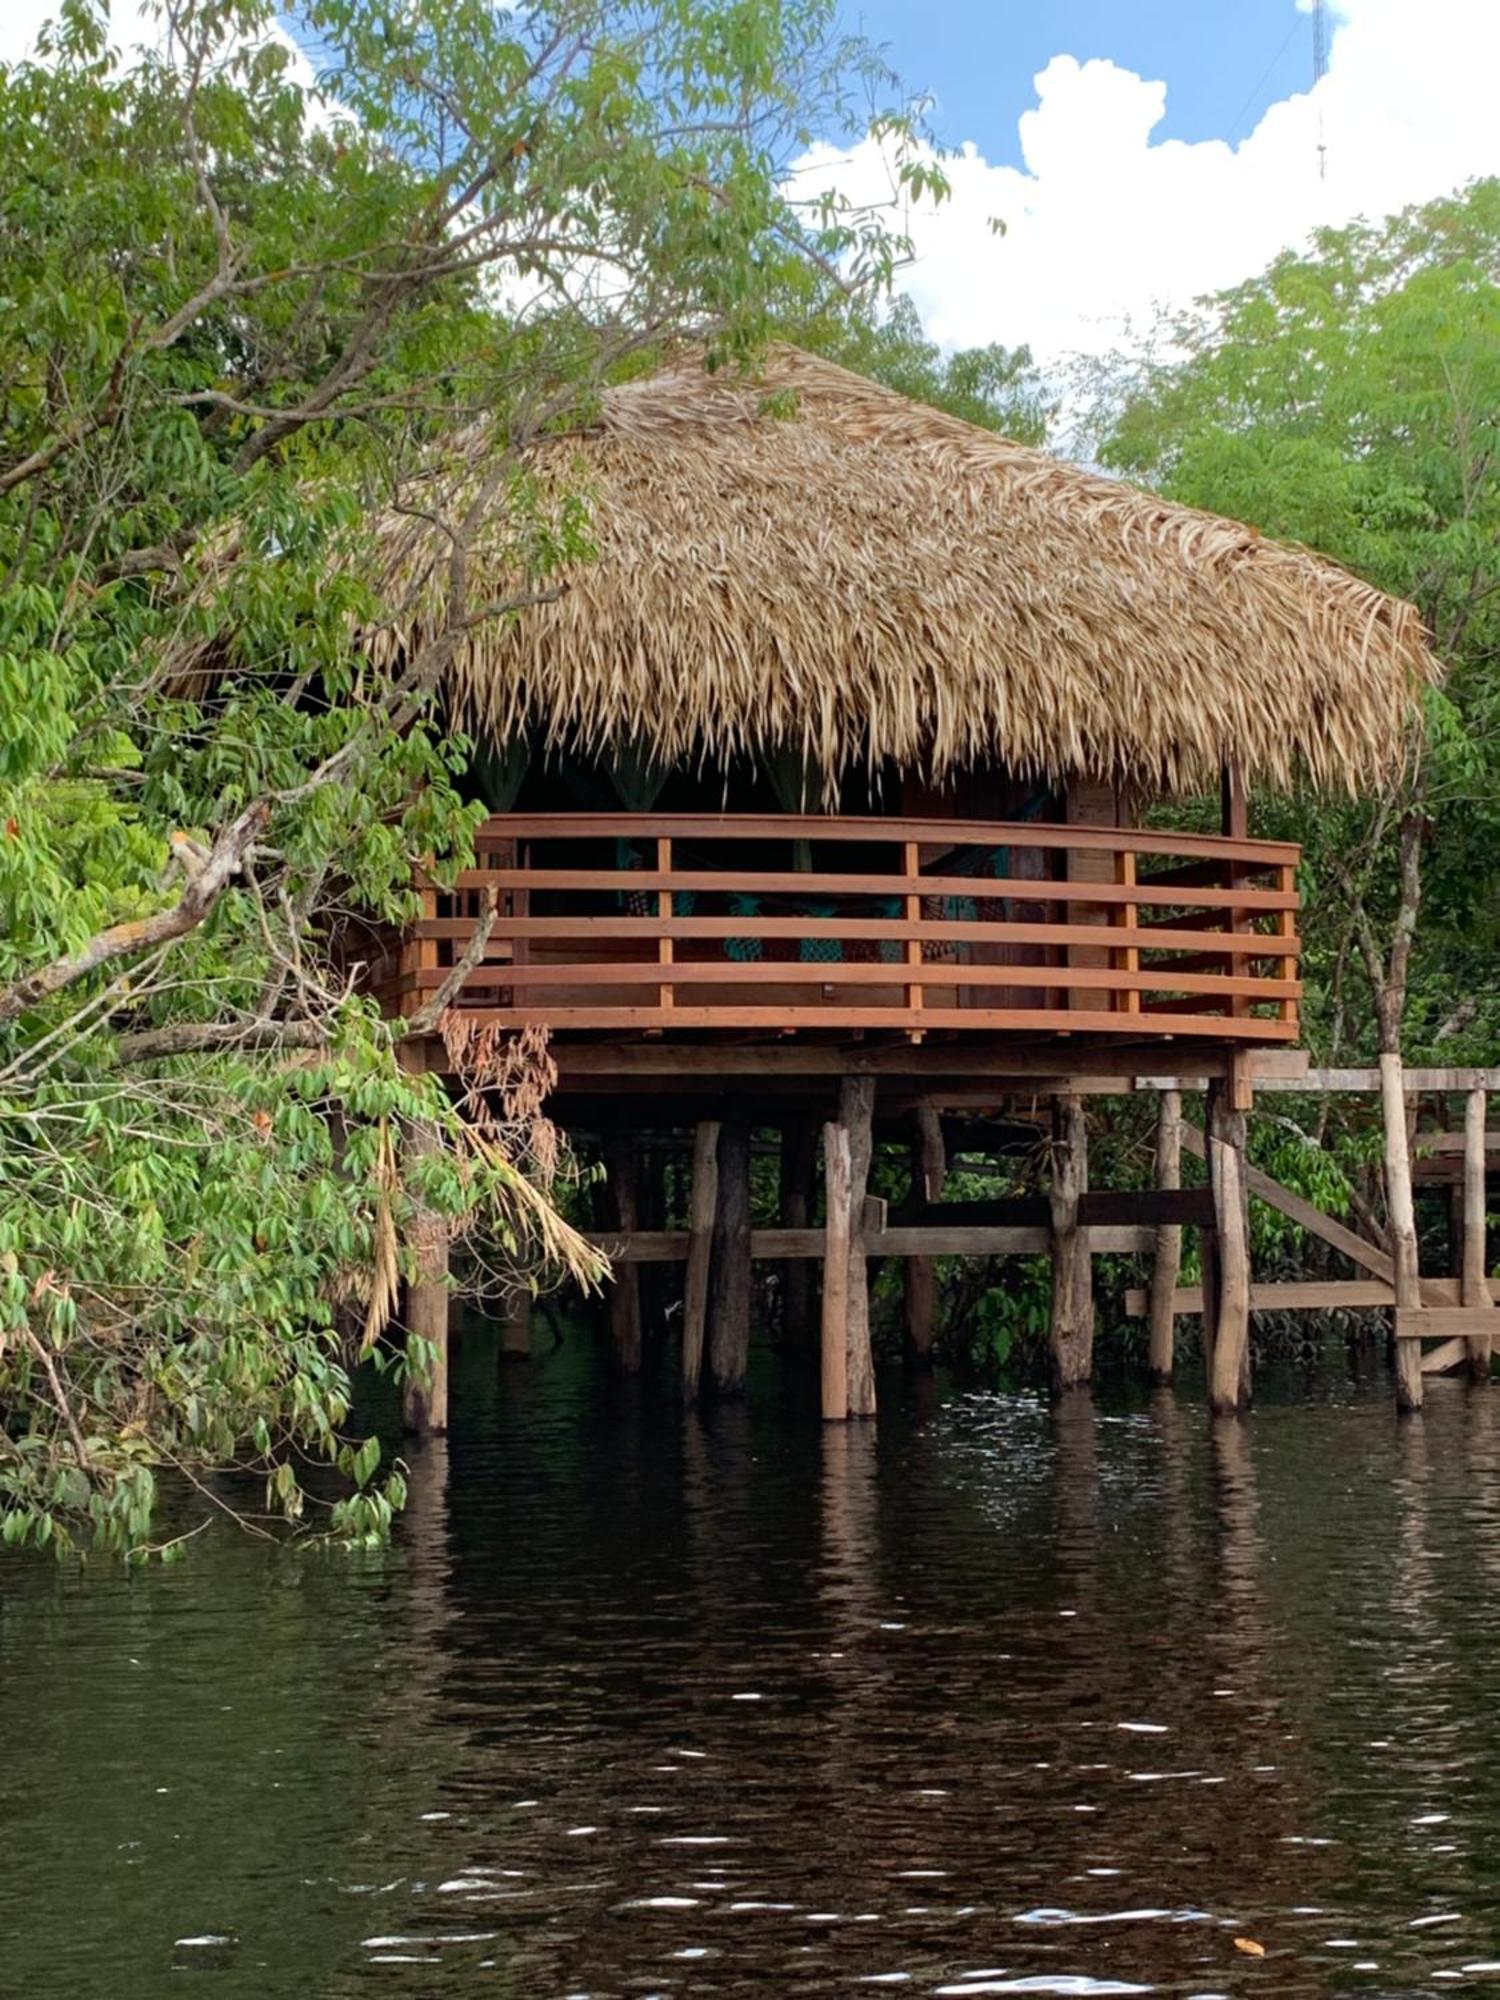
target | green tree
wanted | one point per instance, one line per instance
(241, 317)
(1349, 399)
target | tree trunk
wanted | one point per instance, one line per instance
(1228, 1311)
(837, 1232)
(1402, 1215)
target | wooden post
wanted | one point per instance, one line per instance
(703, 1200)
(1402, 1214)
(799, 1141)
(837, 1230)
(1474, 1284)
(729, 1308)
(625, 1292)
(1072, 1329)
(929, 1165)
(1227, 1305)
(1166, 1264)
(856, 1115)
(425, 1401)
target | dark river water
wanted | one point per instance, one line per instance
(995, 1700)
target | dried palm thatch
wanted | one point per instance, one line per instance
(813, 563)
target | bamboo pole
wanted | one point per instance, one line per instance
(1401, 1211)
(425, 1399)
(1166, 1264)
(1475, 1276)
(1072, 1311)
(1229, 1346)
(837, 1232)
(703, 1200)
(856, 1115)
(730, 1280)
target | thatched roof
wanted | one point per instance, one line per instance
(851, 575)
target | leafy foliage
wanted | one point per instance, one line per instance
(238, 314)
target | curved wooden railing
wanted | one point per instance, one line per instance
(651, 923)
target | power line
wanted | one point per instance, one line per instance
(1265, 79)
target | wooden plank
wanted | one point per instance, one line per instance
(1158, 937)
(1011, 1020)
(732, 972)
(1301, 1295)
(1166, 1261)
(943, 833)
(1474, 1272)
(1006, 1065)
(1356, 1248)
(1019, 888)
(1450, 1354)
(1421, 1081)
(671, 1246)
(1444, 1322)
(1430, 1143)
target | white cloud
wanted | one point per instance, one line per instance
(1103, 225)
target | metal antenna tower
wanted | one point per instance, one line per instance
(1320, 70)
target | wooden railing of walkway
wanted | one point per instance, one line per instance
(649, 924)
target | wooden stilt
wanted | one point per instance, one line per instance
(799, 1151)
(1072, 1327)
(856, 1115)
(1402, 1215)
(1227, 1308)
(1474, 1280)
(929, 1172)
(425, 1402)
(1166, 1264)
(625, 1292)
(703, 1197)
(838, 1229)
(729, 1291)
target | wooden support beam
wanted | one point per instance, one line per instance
(703, 1199)
(625, 1290)
(1475, 1274)
(1367, 1255)
(929, 1168)
(1227, 1323)
(837, 1236)
(856, 1115)
(729, 1309)
(1072, 1311)
(1401, 1212)
(425, 1398)
(1166, 1261)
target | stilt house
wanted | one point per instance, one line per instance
(832, 787)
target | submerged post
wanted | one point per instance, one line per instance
(1072, 1316)
(1402, 1214)
(1475, 1284)
(625, 1292)
(1166, 1263)
(729, 1307)
(856, 1115)
(1226, 1307)
(425, 1400)
(703, 1197)
(929, 1165)
(837, 1229)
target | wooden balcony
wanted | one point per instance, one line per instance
(625, 925)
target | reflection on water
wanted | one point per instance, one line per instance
(999, 1700)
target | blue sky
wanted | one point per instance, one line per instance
(1223, 61)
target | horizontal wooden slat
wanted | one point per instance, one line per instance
(1148, 937)
(1312, 1295)
(1010, 1020)
(802, 972)
(1441, 1322)
(670, 1246)
(1014, 888)
(944, 833)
